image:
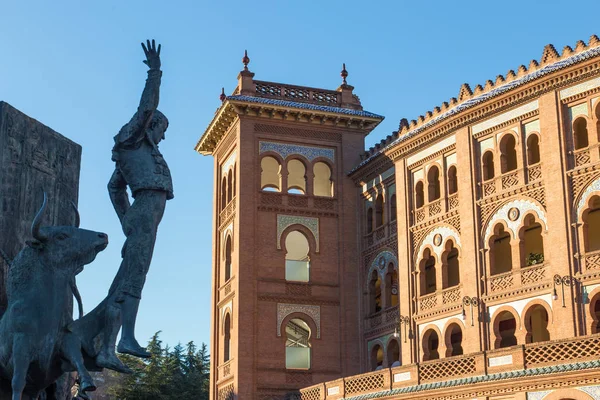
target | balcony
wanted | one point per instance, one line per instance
(590, 261)
(227, 212)
(382, 318)
(471, 371)
(441, 298)
(511, 179)
(525, 276)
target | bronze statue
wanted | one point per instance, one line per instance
(39, 340)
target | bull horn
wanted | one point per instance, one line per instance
(77, 218)
(37, 221)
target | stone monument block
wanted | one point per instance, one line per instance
(33, 159)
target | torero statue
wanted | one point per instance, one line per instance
(139, 165)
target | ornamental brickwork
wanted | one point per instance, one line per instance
(458, 258)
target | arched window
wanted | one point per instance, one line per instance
(297, 344)
(391, 286)
(533, 149)
(227, 340)
(595, 304)
(375, 292)
(508, 154)
(234, 179)
(297, 260)
(228, 258)
(230, 186)
(580, 133)
(370, 220)
(431, 343)
(296, 177)
(507, 325)
(393, 353)
(591, 225)
(323, 186)
(433, 183)
(454, 339)
(500, 251)
(452, 180)
(393, 210)
(533, 244)
(488, 165)
(379, 211)
(452, 268)
(428, 283)
(270, 176)
(223, 193)
(536, 322)
(419, 195)
(376, 357)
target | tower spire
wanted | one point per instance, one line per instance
(246, 60)
(344, 74)
(222, 97)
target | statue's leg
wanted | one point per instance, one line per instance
(21, 361)
(107, 358)
(141, 222)
(72, 351)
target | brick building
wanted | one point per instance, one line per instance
(459, 258)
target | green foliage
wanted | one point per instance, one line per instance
(170, 374)
(535, 258)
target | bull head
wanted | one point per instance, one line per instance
(65, 246)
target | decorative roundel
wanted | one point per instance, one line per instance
(394, 289)
(381, 262)
(513, 214)
(437, 239)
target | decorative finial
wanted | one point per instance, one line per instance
(246, 60)
(222, 97)
(344, 73)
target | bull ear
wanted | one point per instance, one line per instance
(35, 244)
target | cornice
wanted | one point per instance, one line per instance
(232, 109)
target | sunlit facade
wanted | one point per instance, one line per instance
(459, 258)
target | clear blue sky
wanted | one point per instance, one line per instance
(76, 66)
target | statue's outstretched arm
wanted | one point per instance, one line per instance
(150, 95)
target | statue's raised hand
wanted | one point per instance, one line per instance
(152, 54)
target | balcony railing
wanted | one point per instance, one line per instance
(525, 276)
(298, 93)
(442, 297)
(511, 179)
(227, 211)
(515, 358)
(590, 261)
(382, 317)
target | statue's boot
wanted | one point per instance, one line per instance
(128, 344)
(106, 359)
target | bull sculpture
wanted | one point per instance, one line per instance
(35, 345)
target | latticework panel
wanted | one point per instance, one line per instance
(450, 296)
(324, 204)
(296, 93)
(510, 180)
(268, 90)
(226, 393)
(453, 202)
(364, 384)
(298, 289)
(580, 181)
(534, 173)
(392, 314)
(428, 302)
(419, 215)
(393, 228)
(298, 201)
(435, 208)
(562, 351)
(501, 282)
(271, 199)
(324, 97)
(311, 393)
(380, 234)
(538, 194)
(445, 369)
(533, 275)
(489, 188)
(582, 157)
(592, 261)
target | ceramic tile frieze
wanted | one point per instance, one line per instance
(437, 239)
(285, 221)
(284, 309)
(285, 150)
(380, 264)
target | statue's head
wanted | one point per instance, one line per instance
(158, 126)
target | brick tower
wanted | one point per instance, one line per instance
(285, 277)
